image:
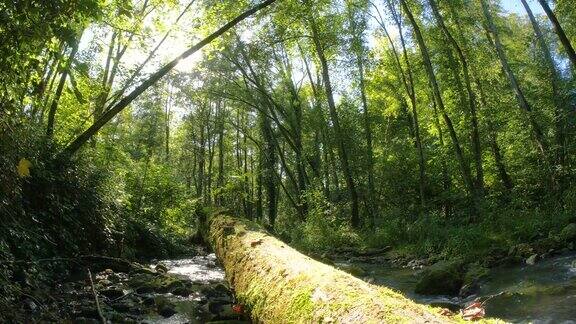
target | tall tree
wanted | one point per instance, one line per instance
(476, 148)
(342, 151)
(520, 97)
(554, 76)
(464, 167)
(560, 32)
(77, 143)
(357, 22)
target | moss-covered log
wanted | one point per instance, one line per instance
(277, 284)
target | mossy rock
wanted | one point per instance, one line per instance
(162, 284)
(546, 245)
(495, 256)
(442, 278)
(568, 233)
(354, 270)
(164, 306)
(523, 250)
(475, 272)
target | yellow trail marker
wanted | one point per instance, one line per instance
(24, 167)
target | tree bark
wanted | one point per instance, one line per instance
(464, 167)
(522, 102)
(557, 96)
(342, 152)
(304, 290)
(60, 88)
(560, 32)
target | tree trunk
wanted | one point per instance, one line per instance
(464, 167)
(220, 120)
(303, 290)
(357, 48)
(408, 81)
(60, 88)
(557, 96)
(269, 168)
(342, 152)
(560, 32)
(475, 133)
(522, 102)
(124, 102)
(500, 165)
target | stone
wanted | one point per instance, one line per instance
(442, 278)
(568, 233)
(227, 313)
(30, 306)
(148, 300)
(145, 289)
(354, 270)
(161, 268)
(114, 278)
(182, 291)
(125, 306)
(215, 290)
(165, 307)
(532, 259)
(417, 264)
(522, 250)
(112, 293)
(105, 282)
(88, 312)
(495, 256)
(167, 311)
(214, 307)
(545, 245)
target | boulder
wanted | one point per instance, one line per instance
(495, 256)
(164, 306)
(112, 293)
(354, 270)
(546, 245)
(522, 250)
(442, 278)
(568, 233)
(161, 268)
(182, 291)
(532, 259)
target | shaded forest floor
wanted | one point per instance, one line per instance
(96, 289)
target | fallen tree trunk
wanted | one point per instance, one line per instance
(277, 284)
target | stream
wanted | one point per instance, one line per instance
(540, 293)
(201, 271)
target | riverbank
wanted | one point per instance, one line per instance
(96, 289)
(456, 275)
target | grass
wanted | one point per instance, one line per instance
(438, 237)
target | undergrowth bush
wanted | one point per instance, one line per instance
(326, 226)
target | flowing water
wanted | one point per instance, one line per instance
(540, 293)
(203, 271)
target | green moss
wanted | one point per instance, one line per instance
(278, 284)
